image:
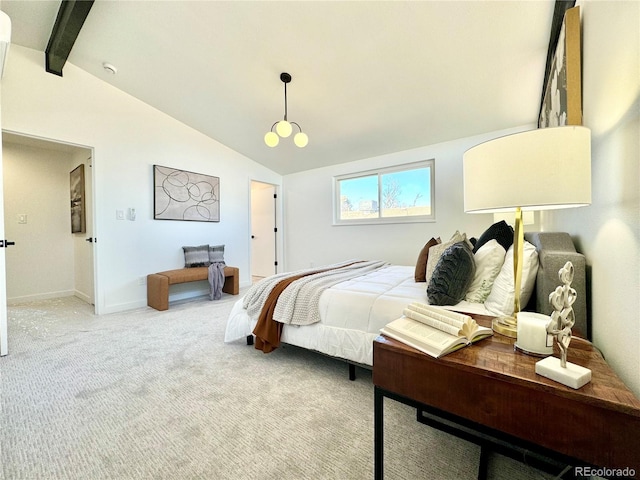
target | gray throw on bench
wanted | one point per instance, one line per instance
(216, 280)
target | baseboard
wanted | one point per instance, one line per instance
(83, 296)
(185, 291)
(39, 296)
(123, 307)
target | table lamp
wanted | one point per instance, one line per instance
(547, 168)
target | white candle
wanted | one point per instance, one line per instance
(532, 333)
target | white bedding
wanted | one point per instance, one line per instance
(352, 314)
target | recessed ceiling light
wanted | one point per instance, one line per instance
(109, 68)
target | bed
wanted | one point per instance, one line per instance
(352, 310)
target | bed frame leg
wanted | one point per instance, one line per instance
(249, 339)
(352, 372)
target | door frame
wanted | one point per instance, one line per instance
(94, 220)
(279, 234)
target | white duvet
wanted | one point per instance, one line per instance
(351, 314)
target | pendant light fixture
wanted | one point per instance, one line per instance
(284, 128)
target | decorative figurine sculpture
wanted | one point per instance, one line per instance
(562, 319)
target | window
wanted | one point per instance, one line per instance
(404, 193)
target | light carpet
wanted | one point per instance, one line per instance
(159, 395)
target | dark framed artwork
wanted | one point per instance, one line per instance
(76, 181)
(182, 195)
(562, 101)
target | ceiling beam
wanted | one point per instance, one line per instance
(71, 17)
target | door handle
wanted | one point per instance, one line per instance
(6, 243)
(90, 240)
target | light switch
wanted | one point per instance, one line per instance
(119, 214)
(22, 218)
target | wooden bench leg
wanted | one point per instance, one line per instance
(231, 281)
(158, 291)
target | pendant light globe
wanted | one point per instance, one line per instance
(301, 140)
(271, 139)
(284, 128)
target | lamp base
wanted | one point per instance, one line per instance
(518, 348)
(507, 326)
(573, 375)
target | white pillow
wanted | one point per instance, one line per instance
(436, 252)
(489, 259)
(500, 300)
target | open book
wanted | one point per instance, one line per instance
(434, 330)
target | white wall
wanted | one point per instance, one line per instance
(128, 138)
(310, 237)
(36, 184)
(608, 231)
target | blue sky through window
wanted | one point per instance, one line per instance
(414, 184)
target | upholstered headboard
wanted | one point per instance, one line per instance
(554, 250)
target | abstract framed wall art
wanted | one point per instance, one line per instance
(562, 100)
(78, 218)
(183, 195)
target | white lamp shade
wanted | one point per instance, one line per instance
(284, 128)
(301, 140)
(540, 169)
(271, 139)
(5, 39)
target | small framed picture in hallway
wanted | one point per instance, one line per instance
(78, 219)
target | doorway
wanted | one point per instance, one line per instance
(50, 258)
(264, 230)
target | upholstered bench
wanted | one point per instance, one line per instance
(158, 283)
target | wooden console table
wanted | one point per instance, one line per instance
(490, 394)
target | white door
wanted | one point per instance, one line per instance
(263, 225)
(84, 243)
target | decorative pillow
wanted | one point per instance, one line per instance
(500, 231)
(196, 256)
(500, 300)
(421, 264)
(216, 253)
(436, 252)
(489, 259)
(452, 276)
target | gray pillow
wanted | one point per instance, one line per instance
(216, 253)
(452, 276)
(196, 256)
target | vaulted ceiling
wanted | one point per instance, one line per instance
(369, 78)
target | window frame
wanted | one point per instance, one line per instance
(337, 221)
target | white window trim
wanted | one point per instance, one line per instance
(380, 171)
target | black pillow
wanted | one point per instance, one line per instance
(501, 231)
(452, 276)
